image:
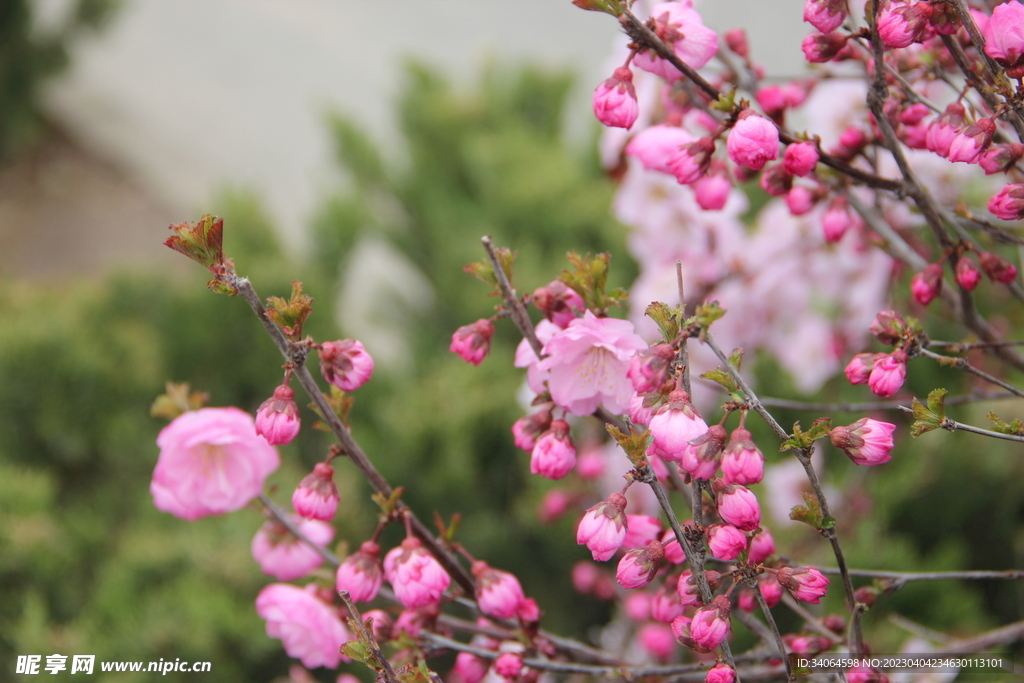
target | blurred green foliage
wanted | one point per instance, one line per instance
(88, 566)
(29, 54)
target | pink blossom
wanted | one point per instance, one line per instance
(806, 584)
(889, 374)
(309, 629)
(825, 15)
(1004, 37)
(588, 362)
(316, 496)
(710, 625)
(527, 358)
(638, 566)
(997, 268)
(761, 547)
(498, 593)
(925, 286)
(691, 162)
(942, 130)
(361, 573)
(674, 553)
(469, 668)
(345, 364)
(656, 146)
(529, 612)
(657, 639)
(641, 530)
(682, 28)
(800, 200)
(603, 527)
(639, 414)
(558, 302)
(837, 220)
(418, 579)
(721, 673)
(637, 606)
(725, 541)
(1001, 158)
(554, 456)
(649, 368)
(859, 369)
(700, 457)
(753, 141)
(1008, 203)
(665, 604)
(472, 342)
(902, 23)
(211, 462)
(742, 461)
(800, 159)
(819, 48)
(285, 557)
(738, 506)
(712, 192)
(615, 102)
(736, 39)
(674, 427)
(866, 441)
(967, 274)
(970, 143)
(277, 419)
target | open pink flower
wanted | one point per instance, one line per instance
(211, 462)
(681, 27)
(418, 579)
(309, 628)
(588, 363)
(1004, 37)
(285, 557)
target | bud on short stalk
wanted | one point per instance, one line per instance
(603, 527)
(316, 496)
(498, 593)
(866, 441)
(700, 458)
(554, 455)
(638, 566)
(806, 584)
(997, 268)
(675, 426)
(277, 419)
(361, 574)
(472, 342)
(345, 364)
(737, 505)
(888, 374)
(742, 461)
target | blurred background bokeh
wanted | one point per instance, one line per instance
(363, 147)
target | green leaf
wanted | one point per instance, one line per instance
(819, 430)
(721, 377)
(666, 319)
(1016, 427)
(937, 401)
(360, 652)
(290, 315)
(634, 443)
(736, 357)
(612, 7)
(927, 418)
(708, 313)
(588, 278)
(811, 513)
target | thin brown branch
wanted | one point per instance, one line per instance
(907, 577)
(512, 302)
(772, 402)
(287, 523)
(962, 364)
(779, 643)
(385, 670)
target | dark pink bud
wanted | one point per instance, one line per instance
(361, 574)
(641, 530)
(554, 455)
(665, 604)
(686, 587)
(825, 15)
(725, 541)
(742, 461)
(800, 158)
(800, 200)
(942, 130)
(277, 419)
(615, 102)
(509, 665)
(837, 220)
(997, 268)
(888, 374)
(498, 593)
(902, 23)
(472, 342)
(555, 503)
(527, 429)
(944, 19)
(316, 496)
(1001, 158)
(721, 673)
(776, 180)
(711, 625)
(819, 48)
(1004, 41)
(860, 367)
(345, 364)
(558, 302)
(649, 368)
(418, 579)
(914, 114)
(1008, 204)
(866, 441)
(806, 584)
(753, 141)
(737, 505)
(691, 162)
(638, 566)
(700, 458)
(967, 274)
(658, 640)
(674, 427)
(925, 286)
(773, 101)
(736, 39)
(603, 527)
(970, 143)
(761, 547)
(888, 326)
(712, 191)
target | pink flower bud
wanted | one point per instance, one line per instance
(859, 369)
(825, 15)
(675, 426)
(710, 625)
(584, 576)
(603, 527)
(590, 465)
(1004, 40)
(681, 629)
(686, 587)
(361, 574)
(691, 162)
(819, 48)
(498, 593)
(637, 606)
(527, 429)
(648, 369)
(806, 584)
(761, 547)
(776, 180)
(615, 102)
(888, 326)
(712, 192)
(656, 146)
(674, 553)
(417, 578)
(925, 286)
(942, 130)
(529, 612)
(509, 665)
(639, 414)
(470, 668)
(1001, 158)
(902, 23)
(700, 458)
(737, 505)
(665, 604)
(773, 101)
(889, 374)
(866, 441)
(997, 268)
(285, 557)
(725, 541)
(970, 143)
(837, 220)
(345, 364)
(800, 158)
(800, 200)
(382, 623)
(967, 274)
(472, 342)
(277, 419)
(638, 566)
(554, 456)
(316, 496)
(658, 640)
(753, 141)
(558, 302)
(555, 503)
(1008, 203)
(742, 461)
(641, 530)
(722, 672)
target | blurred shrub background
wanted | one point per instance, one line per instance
(87, 565)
